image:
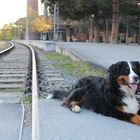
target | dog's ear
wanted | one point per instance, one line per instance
(137, 64)
(113, 70)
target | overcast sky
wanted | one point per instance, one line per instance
(11, 10)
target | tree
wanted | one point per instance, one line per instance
(7, 32)
(122, 8)
(38, 23)
(81, 10)
(104, 11)
(41, 25)
(130, 13)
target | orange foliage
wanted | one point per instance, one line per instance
(40, 24)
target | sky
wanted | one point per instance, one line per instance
(11, 10)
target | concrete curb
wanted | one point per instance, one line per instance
(22, 121)
(8, 49)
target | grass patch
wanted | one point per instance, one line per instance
(13, 90)
(73, 68)
(2, 46)
(26, 99)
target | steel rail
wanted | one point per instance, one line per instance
(35, 116)
(7, 49)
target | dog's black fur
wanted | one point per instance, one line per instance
(105, 95)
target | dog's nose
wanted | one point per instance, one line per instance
(136, 78)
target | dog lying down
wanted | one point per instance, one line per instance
(114, 95)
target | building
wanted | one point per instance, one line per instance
(33, 4)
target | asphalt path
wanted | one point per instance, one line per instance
(59, 123)
(10, 121)
(103, 54)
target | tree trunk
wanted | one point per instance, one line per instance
(115, 22)
(127, 30)
(96, 30)
(139, 33)
(107, 31)
(91, 30)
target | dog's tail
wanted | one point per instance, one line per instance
(58, 94)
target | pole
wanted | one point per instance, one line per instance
(27, 27)
(54, 23)
(57, 19)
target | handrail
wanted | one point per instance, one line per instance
(6, 50)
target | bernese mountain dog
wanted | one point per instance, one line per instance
(113, 95)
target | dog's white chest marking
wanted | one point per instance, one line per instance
(131, 105)
(130, 101)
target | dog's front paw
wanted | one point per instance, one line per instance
(76, 109)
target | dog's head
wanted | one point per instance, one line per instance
(125, 73)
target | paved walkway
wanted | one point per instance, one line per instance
(103, 54)
(59, 123)
(10, 120)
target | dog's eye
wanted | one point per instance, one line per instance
(133, 67)
(126, 70)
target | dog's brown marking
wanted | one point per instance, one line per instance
(120, 108)
(135, 119)
(75, 103)
(122, 80)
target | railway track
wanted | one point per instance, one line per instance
(17, 67)
(21, 76)
(14, 68)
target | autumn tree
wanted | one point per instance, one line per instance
(41, 25)
(37, 23)
(7, 32)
